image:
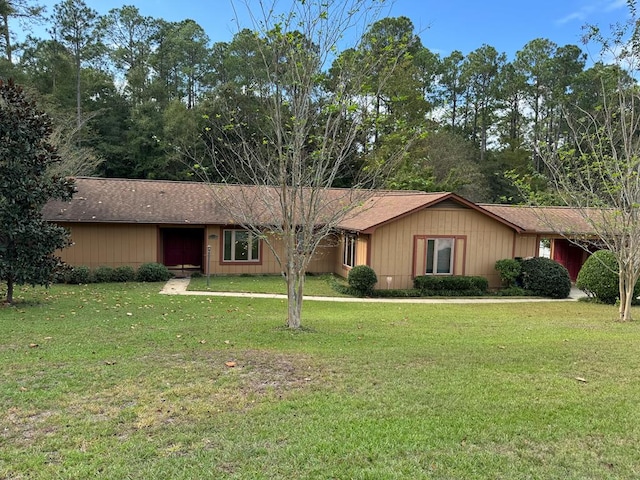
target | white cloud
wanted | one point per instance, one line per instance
(584, 12)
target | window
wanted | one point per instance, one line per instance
(349, 252)
(241, 246)
(439, 256)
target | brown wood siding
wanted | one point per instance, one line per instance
(480, 241)
(362, 254)
(526, 246)
(111, 245)
(322, 262)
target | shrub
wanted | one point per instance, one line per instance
(153, 272)
(79, 274)
(599, 276)
(455, 285)
(545, 277)
(361, 279)
(103, 274)
(396, 293)
(509, 270)
(124, 273)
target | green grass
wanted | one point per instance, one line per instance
(126, 383)
(319, 285)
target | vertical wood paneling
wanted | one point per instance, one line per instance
(480, 242)
(111, 245)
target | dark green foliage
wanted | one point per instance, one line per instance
(599, 276)
(153, 272)
(103, 274)
(27, 241)
(545, 277)
(451, 285)
(80, 274)
(512, 292)
(509, 270)
(361, 279)
(396, 293)
(124, 273)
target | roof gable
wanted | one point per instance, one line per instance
(388, 207)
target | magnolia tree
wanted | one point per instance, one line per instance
(27, 241)
(292, 128)
(596, 167)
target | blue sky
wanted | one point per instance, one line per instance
(444, 25)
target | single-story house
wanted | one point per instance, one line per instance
(400, 234)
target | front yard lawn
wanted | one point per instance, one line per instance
(116, 381)
(314, 285)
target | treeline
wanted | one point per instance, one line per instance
(133, 96)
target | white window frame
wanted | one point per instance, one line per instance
(252, 242)
(349, 251)
(437, 249)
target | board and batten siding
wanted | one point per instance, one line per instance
(397, 249)
(362, 252)
(111, 245)
(527, 246)
(322, 262)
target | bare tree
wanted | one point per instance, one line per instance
(299, 135)
(596, 167)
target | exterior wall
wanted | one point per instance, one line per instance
(322, 262)
(526, 246)
(362, 254)
(111, 245)
(397, 249)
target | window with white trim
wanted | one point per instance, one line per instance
(440, 256)
(349, 251)
(240, 246)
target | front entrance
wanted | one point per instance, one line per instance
(570, 255)
(183, 248)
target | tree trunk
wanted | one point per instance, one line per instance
(10, 291)
(4, 28)
(627, 287)
(295, 286)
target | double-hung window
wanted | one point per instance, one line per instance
(240, 246)
(440, 256)
(349, 251)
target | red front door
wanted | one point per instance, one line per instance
(183, 247)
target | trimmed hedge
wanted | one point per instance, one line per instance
(78, 275)
(545, 277)
(153, 272)
(599, 277)
(509, 270)
(450, 285)
(361, 279)
(124, 273)
(103, 274)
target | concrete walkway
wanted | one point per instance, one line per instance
(178, 286)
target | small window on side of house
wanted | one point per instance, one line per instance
(349, 251)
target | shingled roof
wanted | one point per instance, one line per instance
(390, 206)
(543, 220)
(102, 200)
(108, 200)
